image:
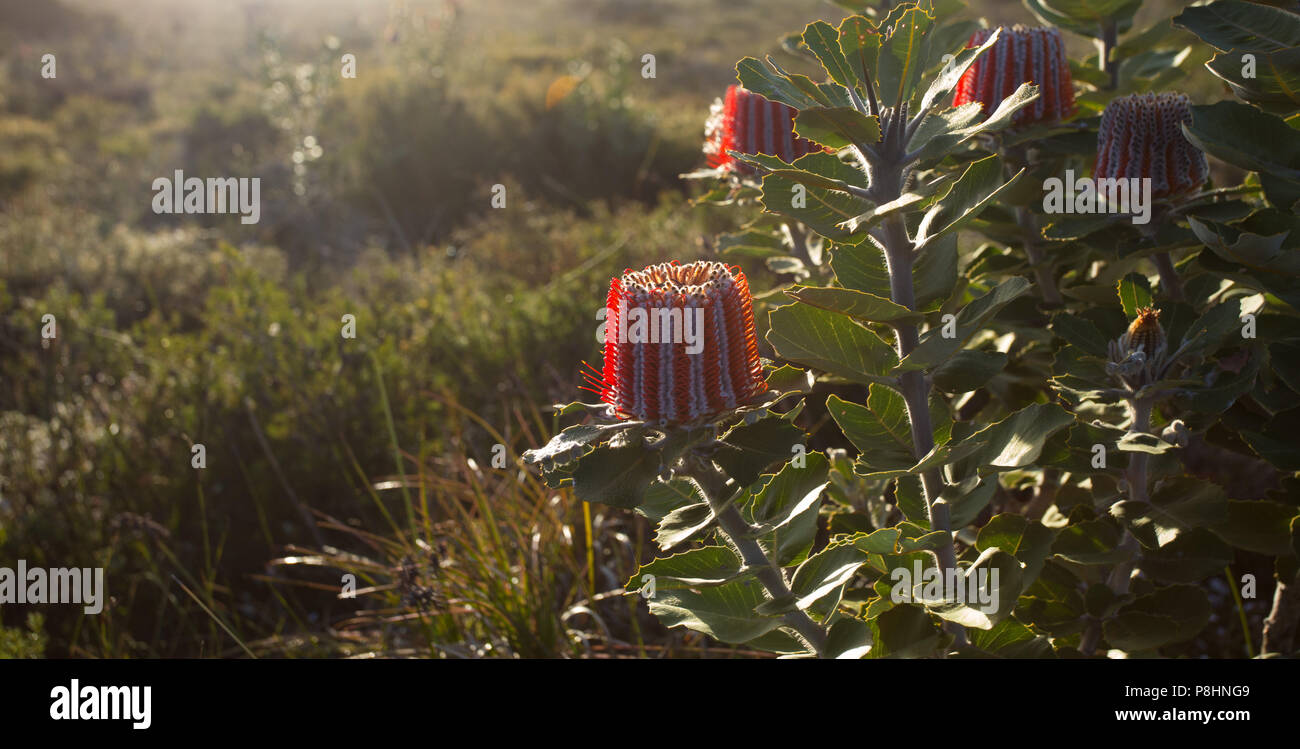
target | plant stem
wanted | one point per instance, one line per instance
(1109, 39)
(1280, 626)
(1042, 275)
(1015, 159)
(1121, 575)
(734, 527)
(1170, 283)
(915, 389)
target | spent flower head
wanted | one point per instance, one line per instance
(1141, 136)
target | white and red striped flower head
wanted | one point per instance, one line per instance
(1020, 55)
(693, 355)
(1141, 136)
(748, 123)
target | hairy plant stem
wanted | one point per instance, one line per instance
(1121, 575)
(915, 388)
(741, 535)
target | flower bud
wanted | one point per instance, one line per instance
(680, 345)
(1020, 55)
(1141, 136)
(748, 123)
(1176, 433)
(1145, 332)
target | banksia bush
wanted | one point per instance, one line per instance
(1020, 55)
(679, 343)
(964, 392)
(1141, 137)
(748, 123)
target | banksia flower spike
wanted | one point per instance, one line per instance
(748, 123)
(1020, 55)
(679, 344)
(1145, 332)
(1141, 137)
(1140, 356)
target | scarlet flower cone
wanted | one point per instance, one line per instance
(659, 366)
(1020, 55)
(748, 123)
(1141, 136)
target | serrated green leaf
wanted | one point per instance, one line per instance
(1011, 639)
(575, 438)
(1172, 614)
(935, 348)
(999, 590)
(616, 476)
(860, 43)
(790, 493)
(705, 566)
(947, 80)
(724, 612)
(1134, 294)
(1246, 137)
(683, 523)
(822, 209)
(747, 450)
(662, 497)
(902, 56)
(829, 342)
(836, 127)
(905, 631)
(848, 639)
(763, 80)
(818, 583)
(1191, 557)
(1027, 540)
(1260, 526)
(882, 541)
(965, 199)
(1179, 505)
(1090, 542)
(968, 370)
(823, 41)
(1248, 27)
(1081, 333)
(859, 305)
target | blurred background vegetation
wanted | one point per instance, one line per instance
(328, 456)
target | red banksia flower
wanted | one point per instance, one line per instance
(1141, 136)
(679, 343)
(1020, 55)
(748, 123)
